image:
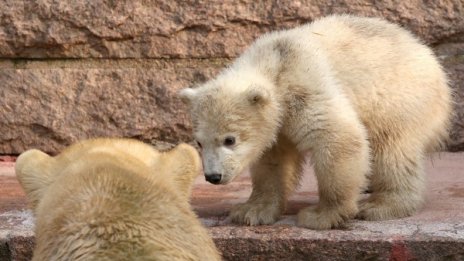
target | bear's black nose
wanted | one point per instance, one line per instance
(213, 178)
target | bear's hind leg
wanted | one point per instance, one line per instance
(274, 177)
(397, 183)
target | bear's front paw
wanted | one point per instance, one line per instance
(253, 214)
(318, 218)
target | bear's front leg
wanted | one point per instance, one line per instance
(341, 161)
(274, 177)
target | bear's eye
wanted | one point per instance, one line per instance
(199, 144)
(229, 141)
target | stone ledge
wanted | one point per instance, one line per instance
(434, 233)
(379, 241)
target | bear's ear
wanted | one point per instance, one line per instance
(187, 95)
(182, 164)
(259, 96)
(33, 170)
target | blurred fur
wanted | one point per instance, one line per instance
(114, 199)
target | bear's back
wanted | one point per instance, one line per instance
(371, 55)
(389, 76)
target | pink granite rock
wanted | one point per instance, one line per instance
(452, 55)
(111, 68)
(49, 108)
(201, 29)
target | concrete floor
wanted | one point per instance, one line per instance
(435, 232)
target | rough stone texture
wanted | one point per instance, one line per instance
(20, 248)
(4, 250)
(205, 29)
(78, 69)
(290, 243)
(436, 232)
(48, 108)
(452, 55)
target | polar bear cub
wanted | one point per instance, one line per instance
(363, 95)
(114, 199)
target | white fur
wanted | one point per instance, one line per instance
(364, 95)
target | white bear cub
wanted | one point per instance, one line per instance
(365, 96)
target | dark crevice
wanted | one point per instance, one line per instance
(453, 38)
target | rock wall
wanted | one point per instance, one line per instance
(77, 69)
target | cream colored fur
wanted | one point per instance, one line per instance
(364, 95)
(114, 199)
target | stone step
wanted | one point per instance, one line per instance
(436, 232)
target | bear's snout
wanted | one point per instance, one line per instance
(213, 178)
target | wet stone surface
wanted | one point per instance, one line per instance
(436, 232)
